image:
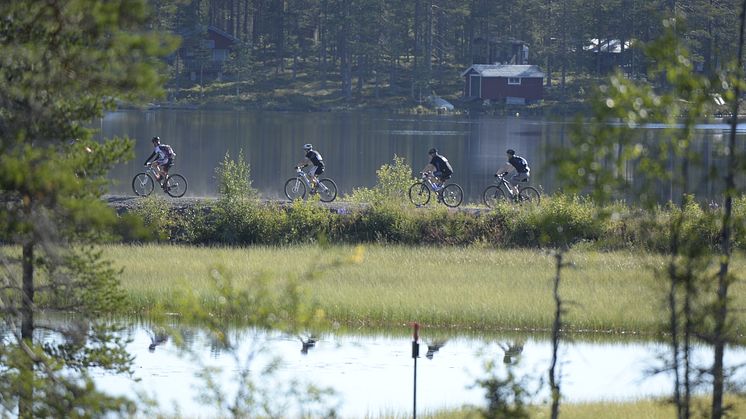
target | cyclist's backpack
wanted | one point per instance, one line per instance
(168, 150)
(520, 164)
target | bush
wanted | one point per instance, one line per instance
(306, 222)
(558, 221)
(234, 178)
(739, 222)
(157, 217)
(393, 184)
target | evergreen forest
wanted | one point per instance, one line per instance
(368, 50)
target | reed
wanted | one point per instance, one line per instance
(648, 409)
(449, 287)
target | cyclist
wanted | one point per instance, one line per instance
(438, 167)
(516, 164)
(164, 157)
(314, 159)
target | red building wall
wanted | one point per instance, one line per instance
(497, 88)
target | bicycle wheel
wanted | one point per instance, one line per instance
(142, 184)
(452, 195)
(530, 195)
(493, 195)
(295, 189)
(176, 186)
(419, 194)
(327, 190)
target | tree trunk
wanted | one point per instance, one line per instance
(721, 315)
(26, 393)
(554, 385)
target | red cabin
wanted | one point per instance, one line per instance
(512, 84)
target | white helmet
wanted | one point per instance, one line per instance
(307, 146)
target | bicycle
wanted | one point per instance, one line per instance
(496, 193)
(144, 183)
(450, 195)
(296, 187)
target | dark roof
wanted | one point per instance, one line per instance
(505, 70)
(196, 30)
(223, 33)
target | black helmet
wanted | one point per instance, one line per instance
(511, 151)
(156, 138)
(433, 151)
(307, 147)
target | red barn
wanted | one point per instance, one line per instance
(515, 84)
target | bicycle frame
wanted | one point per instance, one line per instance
(428, 179)
(302, 175)
(154, 169)
(299, 173)
(502, 181)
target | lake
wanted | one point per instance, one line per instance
(373, 374)
(355, 145)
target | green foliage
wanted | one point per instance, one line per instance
(600, 153)
(393, 184)
(156, 214)
(64, 64)
(306, 222)
(264, 302)
(234, 178)
(235, 222)
(507, 397)
(598, 163)
(559, 222)
(739, 222)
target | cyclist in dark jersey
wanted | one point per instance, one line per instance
(519, 166)
(314, 159)
(438, 166)
(164, 155)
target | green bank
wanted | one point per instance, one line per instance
(447, 287)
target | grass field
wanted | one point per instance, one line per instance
(450, 287)
(642, 409)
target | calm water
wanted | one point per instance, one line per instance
(375, 374)
(354, 145)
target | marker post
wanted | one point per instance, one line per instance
(415, 355)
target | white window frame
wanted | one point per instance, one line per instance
(514, 81)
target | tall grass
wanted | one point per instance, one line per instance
(452, 287)
(638, 409)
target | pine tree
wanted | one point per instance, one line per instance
(63, 64)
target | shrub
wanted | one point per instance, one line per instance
(558, 221)
(393, 184)
(234, 178)
(739, 222)
(157, 216)
(306, 222)
(454, 228)
(383, 222)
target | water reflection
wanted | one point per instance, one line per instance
(512, 351)
(158, 336)
(373, 374)
(434, 347)
(307, 343)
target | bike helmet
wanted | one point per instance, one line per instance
(433, 151)
(307, 147)
(156, 138)
(511, 151)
